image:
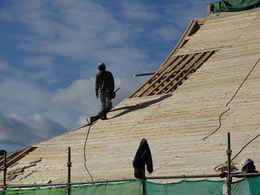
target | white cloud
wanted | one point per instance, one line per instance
(25, 130)
(3, 65)
(22, 97)
(80, 96)
(167, 34)
(69, 30)
(139, 12)
(181, 12)
(40, 61)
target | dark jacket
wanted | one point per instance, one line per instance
(104, 82)
(143, 157)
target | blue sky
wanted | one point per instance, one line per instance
(50, 49)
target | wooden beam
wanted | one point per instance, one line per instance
(197, 65)
(144, 74)
(190, 29)
(185, 65)
(175, 64)
(187, 38)
(14, 157)
(202, 21)
(171, 71)
(178, 45)
(159, 71)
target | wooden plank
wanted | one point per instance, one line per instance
(157, 76)
(202, 21)
(9, 156)
(194, 58)
(202, 61)
(173, 71)
(14, 157)
(161, 69)
(144, 74)
(191, 29)
(169, 69)
(180, 42)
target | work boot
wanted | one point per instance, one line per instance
(93, 119)
(103, 117)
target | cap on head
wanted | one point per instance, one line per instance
(101, 66)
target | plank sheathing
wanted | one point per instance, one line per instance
(225, 32)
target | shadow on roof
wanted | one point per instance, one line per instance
(128, 109)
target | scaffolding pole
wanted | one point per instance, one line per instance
(5, 172)
(229, 176)
(69, 171)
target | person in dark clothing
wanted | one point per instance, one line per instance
(142, 157)
(104, 89)
(248, 166)
(2, 152)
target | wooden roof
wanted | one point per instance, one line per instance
(174, 123)
(175, 69)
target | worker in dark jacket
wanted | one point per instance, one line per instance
(104, 89)
(247, 166)
(143, 157)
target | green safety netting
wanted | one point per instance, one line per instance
(125, 188)
(185, 188)
(38, 191)
(249, 186)
(233, 5)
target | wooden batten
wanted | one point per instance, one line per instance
(191, 29)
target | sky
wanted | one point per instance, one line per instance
(50, 49)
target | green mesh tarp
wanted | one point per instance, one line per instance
(38, 191)
(185, 188)
(249, 186)
(126, 188)
(233, 5)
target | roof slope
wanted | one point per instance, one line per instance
(173, 123)
(176, 68)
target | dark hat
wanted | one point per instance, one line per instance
(101, 66)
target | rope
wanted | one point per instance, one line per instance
(231, 99)
(220, 124)
(85, 158)
(237, 154)
(250, 141)
(243, 82)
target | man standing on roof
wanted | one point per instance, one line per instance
(104, 90)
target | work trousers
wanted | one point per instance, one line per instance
(106, 104)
